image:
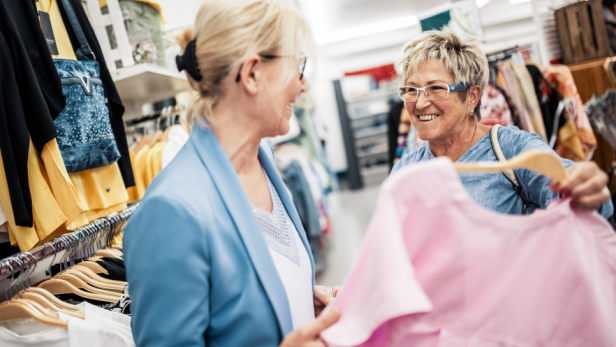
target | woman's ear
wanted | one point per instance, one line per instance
(474, 96)
(250, 73)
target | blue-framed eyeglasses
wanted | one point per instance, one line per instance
(434, 92)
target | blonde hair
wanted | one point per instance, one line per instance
(462, 57)
(228, 31)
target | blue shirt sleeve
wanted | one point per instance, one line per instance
(533, 184)
(168, 271)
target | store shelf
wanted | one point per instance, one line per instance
(374, 95)
(375, 131)
(370, 154)
(145, 83)
(371, 115)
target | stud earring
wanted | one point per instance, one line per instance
(472, 114)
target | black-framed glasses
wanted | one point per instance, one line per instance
(301, 68)
(434, 92)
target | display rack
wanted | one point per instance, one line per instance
(111, 225)
(365, 136)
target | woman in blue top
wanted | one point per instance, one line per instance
(444, 76)
(216, 254)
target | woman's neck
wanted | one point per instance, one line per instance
(239, 141)
(454, 145)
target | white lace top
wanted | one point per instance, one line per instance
(290, 257)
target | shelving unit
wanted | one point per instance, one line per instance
(365, 135)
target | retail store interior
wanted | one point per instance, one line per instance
(552, 67)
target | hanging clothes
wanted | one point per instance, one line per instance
(560, 76)
(403, 133)
(178, 136)
(515, 114)
(507, 80)
(116, 108)
(602, 113)
(307, 209)
(530, 99)
(548, 99)
(494, 108)
(393, 122)
(437, 269)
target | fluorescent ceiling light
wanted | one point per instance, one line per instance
(368, 29)
(515, 2)
(481, 3)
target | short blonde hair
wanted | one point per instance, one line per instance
(228, 31)
(462, 57)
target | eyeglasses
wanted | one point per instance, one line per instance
(301, 68)
(433, 92)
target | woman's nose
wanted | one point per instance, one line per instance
(422, 100)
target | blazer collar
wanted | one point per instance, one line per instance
(230, 189)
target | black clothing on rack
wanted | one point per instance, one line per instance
(393, 123)
(548, 99)
(116, 108)
(35, 76)
(14, 139)
(23, 16)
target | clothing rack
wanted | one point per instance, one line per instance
(103, 229)
(172, 111)
(502, 54)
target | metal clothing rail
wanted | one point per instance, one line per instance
(165, 113)
(112, 225)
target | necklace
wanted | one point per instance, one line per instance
(467, 146)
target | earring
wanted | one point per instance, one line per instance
(472, 114)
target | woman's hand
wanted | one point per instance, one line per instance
(585, 183)
(308, 335)
(322, 299)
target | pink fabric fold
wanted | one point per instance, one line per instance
(438, 270)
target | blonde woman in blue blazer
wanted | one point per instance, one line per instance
(200, 270)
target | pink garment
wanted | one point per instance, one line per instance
(438, 270)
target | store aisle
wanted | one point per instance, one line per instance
(350, 214)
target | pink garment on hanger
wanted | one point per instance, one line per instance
(438, 270)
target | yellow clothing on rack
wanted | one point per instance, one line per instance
(63, 42)
(154, 161)
(63, 190)
(133, 194)
(47, 215)
(140, 169)
(99, 189)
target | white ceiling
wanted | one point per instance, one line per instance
(347, 13)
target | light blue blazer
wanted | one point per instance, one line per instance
(198, 268)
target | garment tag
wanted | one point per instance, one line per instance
(48, 32)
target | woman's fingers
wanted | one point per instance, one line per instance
(336, 290)
(576, 175)
(323, 322)
(590, 202)
(321, 295)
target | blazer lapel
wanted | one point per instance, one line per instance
(235, 199)
(287, 200)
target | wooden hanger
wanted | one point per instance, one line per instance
(94, 282)
(51, 298)
(145, 139)
(93, 266)
(107, 253)
(57, 286)
(91, 274)
(166, 134)
(157, 137)
(81, 284)
(17, 310)
(544, 163)
(37, 298)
